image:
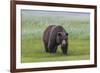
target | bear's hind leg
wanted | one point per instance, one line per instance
(46, 48)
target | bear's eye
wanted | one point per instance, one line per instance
(59, 33)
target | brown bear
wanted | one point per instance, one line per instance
(54, 36)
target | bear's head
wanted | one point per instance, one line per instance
(62, 38)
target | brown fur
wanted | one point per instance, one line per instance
(50, 38)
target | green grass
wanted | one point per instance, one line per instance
(32, 49)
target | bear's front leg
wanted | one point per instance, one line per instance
(53, 50)
(64, 49)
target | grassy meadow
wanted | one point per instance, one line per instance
(33, 24)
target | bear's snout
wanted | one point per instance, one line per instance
(63, 42)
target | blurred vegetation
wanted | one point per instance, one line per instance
(33, 27)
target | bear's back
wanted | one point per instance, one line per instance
(46, 34)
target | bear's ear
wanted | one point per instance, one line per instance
(67, 34)
(59, 33)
